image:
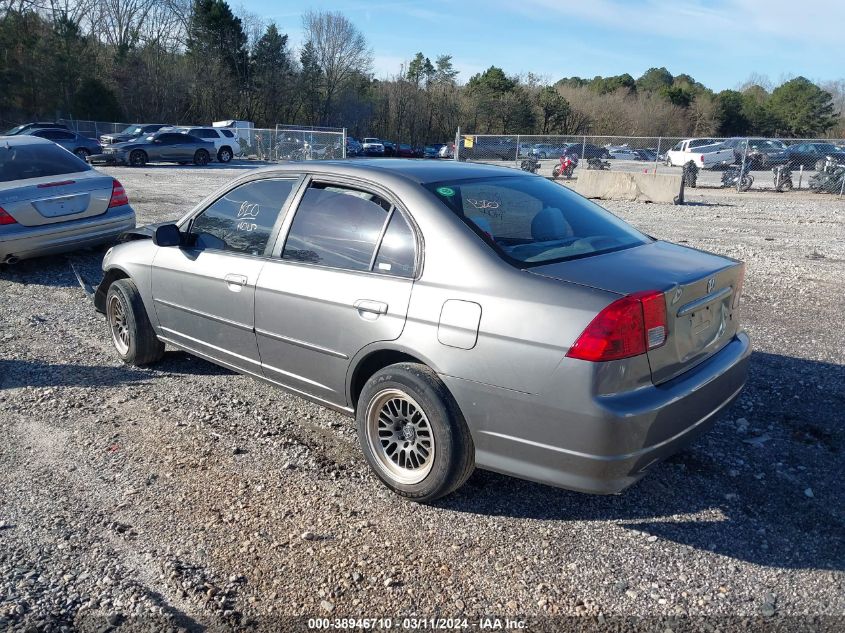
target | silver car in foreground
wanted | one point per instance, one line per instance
(466, 315)
(51, 201)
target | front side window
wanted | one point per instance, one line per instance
(242, 220)
(531, 221)
(337, 227)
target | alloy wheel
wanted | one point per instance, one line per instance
(118, 324)
(400, 437)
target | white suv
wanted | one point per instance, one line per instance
(225, 141)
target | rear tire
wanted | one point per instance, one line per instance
(224, 155)
(138, 158)
(556, 172)
(129, 326)
(413, 434)
(82, 153)
(201, 158)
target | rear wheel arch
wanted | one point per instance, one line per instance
(373, 361)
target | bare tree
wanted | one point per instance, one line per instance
(341, 50)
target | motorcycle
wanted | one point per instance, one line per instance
(831, 180)
(597, 163)
(736, 174)
(566, 167)
(530, 164)
(783, 178)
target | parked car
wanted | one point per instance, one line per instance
(53, 202)
(547, 150)
(813, 155)
(490, 148)
(225, 143)
(432, 150)
(80, 145)
(646, 154)
(404, 150)
(587, 150)
(466, 315)
(42, 125)
(389, 148)
(131, 132)
(624, 153)
(705, 153)
(354, 146)
(762, 153)
(373, 147)
(175, 147)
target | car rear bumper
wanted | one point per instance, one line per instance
(608, 444)
(35, 241)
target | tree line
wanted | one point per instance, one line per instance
(195, 61)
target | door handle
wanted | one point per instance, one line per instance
(368, 309)
(235, 282)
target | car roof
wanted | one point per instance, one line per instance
(420, 171)
(23, 139)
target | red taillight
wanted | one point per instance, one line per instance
(5, 218)
(702, 159)
(629, 326)
(61, 183)
(118, 195)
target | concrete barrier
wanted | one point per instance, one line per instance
(635, 187)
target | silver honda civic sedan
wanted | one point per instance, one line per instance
(465, 315)
(51, 201)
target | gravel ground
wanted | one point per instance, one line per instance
(185, 496)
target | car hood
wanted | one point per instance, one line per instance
(127, 145)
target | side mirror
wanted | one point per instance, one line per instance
(167, 235)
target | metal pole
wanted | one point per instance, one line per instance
(842, 189)
(800, 175)
(742, 168)
(584, 148)
(457, 153)
(516, 158)
(343, 147)
(657, 156)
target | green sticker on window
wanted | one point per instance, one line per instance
(446, 191)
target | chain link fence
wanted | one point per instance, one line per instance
(748, 163)
(284, 142)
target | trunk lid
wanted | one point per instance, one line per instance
(699, 290)
(40, 201)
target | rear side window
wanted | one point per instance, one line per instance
(337, 227)
(228, 133)
(19, 162)
(530, 220)
(242, 220)
(396, 252)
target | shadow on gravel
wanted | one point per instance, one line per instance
(26, 373)
(55, 270)
(770, 490)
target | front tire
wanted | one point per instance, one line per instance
(201, 158)
(138, 158)
(129, 326)
(413, 434)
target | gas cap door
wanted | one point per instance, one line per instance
(459, 321)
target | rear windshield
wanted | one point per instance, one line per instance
(530, 220)
(19, 162)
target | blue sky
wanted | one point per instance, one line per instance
(719, 42)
